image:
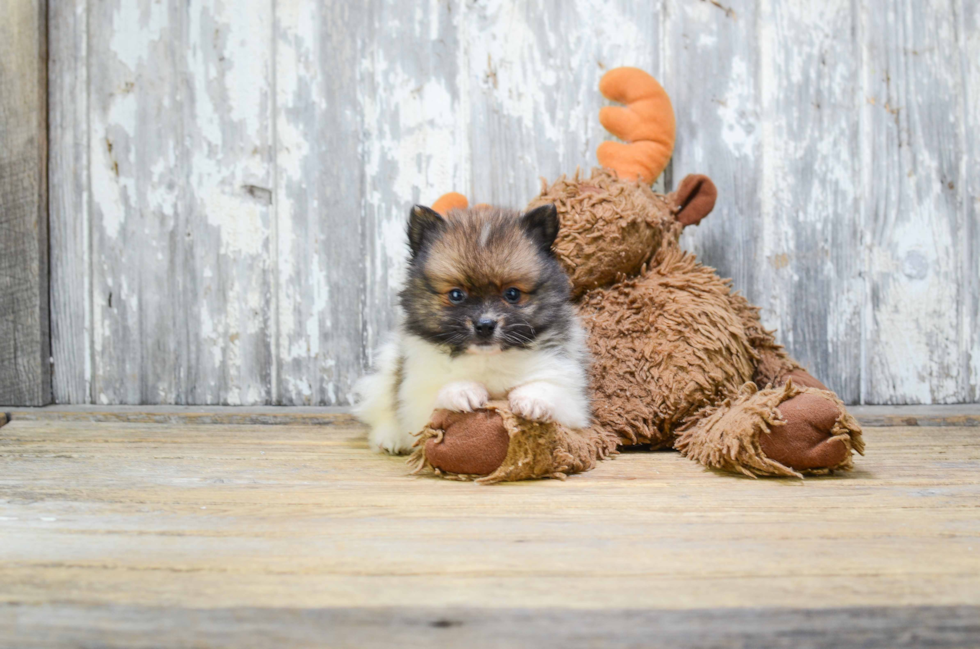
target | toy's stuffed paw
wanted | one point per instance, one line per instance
(472, 443)
(462, 396)
(806, 441)
(531, 403)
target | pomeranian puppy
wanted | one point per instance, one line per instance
(485, 314)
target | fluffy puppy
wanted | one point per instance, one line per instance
(485, 314)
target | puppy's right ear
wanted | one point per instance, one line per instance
(542, 225)
(422, 224)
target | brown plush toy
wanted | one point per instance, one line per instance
(678, 358)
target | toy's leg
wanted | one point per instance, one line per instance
(772, 364)
(810, 438)
(783, 431)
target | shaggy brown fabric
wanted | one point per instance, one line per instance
(535, 450)
(800, 376)
(694, 199)
(609, 227)
(772, 362)
(664, 345)
(729, 436)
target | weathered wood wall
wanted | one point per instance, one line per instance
(230, 180)
(25, 348)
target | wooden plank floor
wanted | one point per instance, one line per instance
(110, 531)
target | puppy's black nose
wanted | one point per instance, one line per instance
(484, 327)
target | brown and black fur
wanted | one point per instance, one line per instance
(484, 251)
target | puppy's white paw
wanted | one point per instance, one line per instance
(390, 439)
(531, 403)
(462, 396)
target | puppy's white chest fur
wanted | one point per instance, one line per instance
(414, 377)
(427, 368)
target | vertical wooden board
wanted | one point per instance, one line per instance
(71, 289)
(225, 242)
(181, 184)
(25, 369)
(968, 23)
(532, 81)
(711, 72)
(913, 185)
(321, 265)
(135, 174)
(809, 268)
(415, 129)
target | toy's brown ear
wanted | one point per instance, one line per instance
(695, 198)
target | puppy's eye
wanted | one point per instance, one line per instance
(512, 295)
(456, 295)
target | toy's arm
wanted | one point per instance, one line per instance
(645, 123)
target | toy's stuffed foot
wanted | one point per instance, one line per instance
(495, 445)
(806, 440)
(783, 431)
(470, 443)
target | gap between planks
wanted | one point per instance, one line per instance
(869, 416)
(135, 626)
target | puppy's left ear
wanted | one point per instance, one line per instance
(542, 224)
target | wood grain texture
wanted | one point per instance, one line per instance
(68, 180)
(876, 416)
(134, 126)
(180, 149)
(249, 221)
(912, 162)
(305, 517)
(226, 220)
(56, 625)
(968, 40)
(25, 349)
(320, 261)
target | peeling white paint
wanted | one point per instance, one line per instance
(240, 222)
(346, 115)
(737, 111)
(133, 46)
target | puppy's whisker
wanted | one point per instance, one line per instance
(517, 332)
(518, 335)
(452, 337)
(514, 337)
(526, 323)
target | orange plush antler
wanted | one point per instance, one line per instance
(450, 201)
(646, 123)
